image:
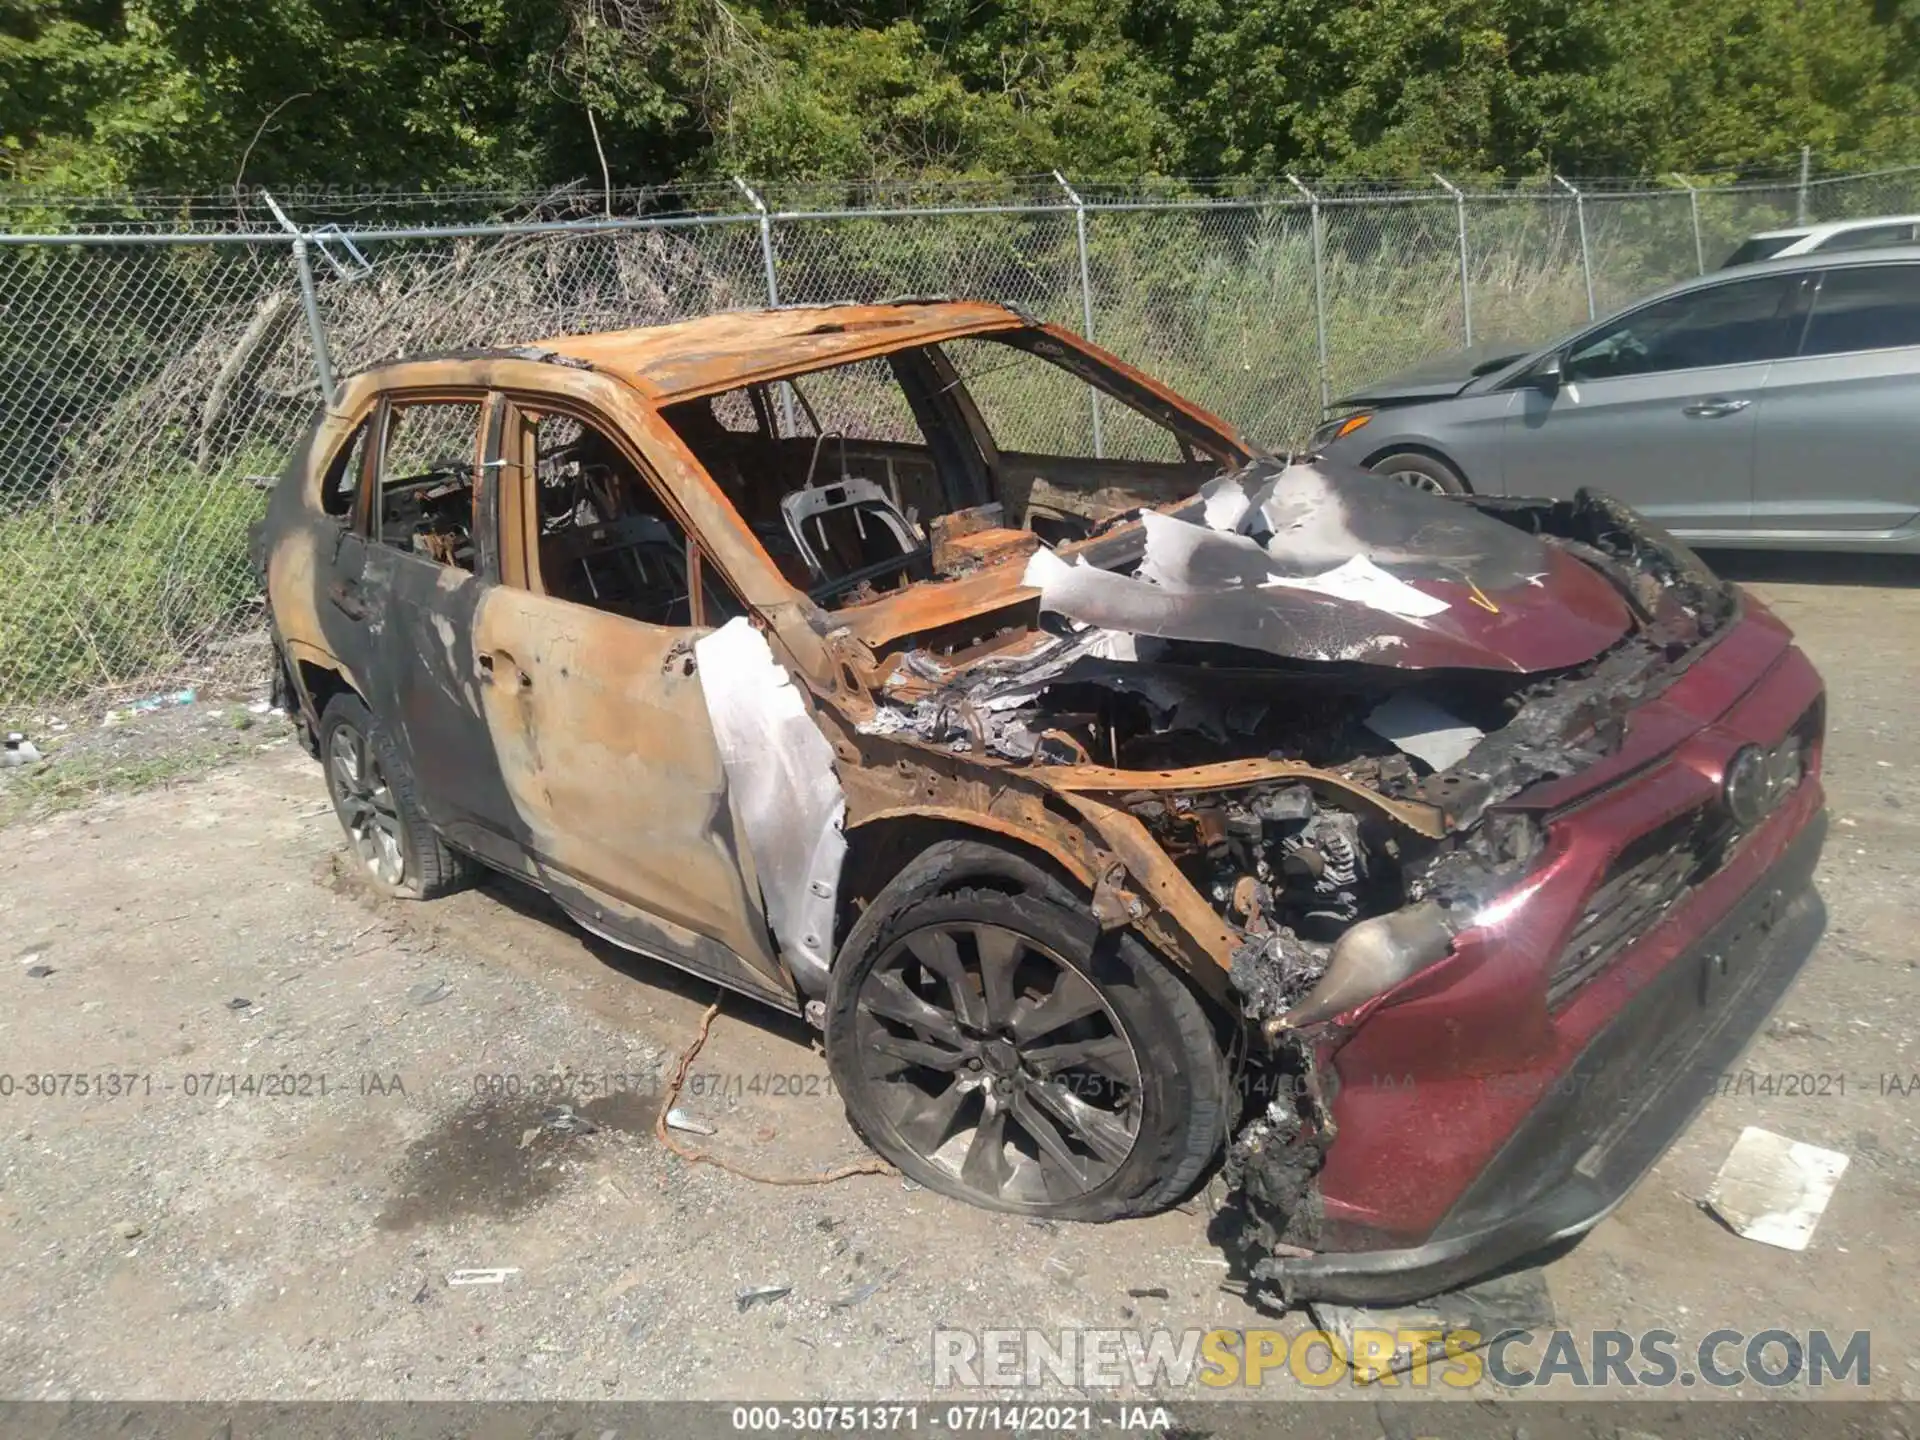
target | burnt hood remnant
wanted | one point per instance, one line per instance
(1322, 563)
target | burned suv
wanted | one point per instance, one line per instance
(1107, 790)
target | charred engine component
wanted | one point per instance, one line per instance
(1322, 864)
(1291, 871)
(1271, 1162)
(1271, 859)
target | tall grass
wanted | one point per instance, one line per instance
(100, 594)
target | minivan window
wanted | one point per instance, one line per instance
(1871, 307)
(1732, 324)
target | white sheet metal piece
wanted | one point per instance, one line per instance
(1308, 521)
(785, 794)
(1227, 500)
(1773, 1189)
(1081, 591)
(1424, 730)
(1043, 569)
(1168, 559)
(1361, 580)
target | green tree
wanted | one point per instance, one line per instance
(194, 94)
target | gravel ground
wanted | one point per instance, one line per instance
(319, 1107)
(134, 746)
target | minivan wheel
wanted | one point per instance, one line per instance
(373, 795)
(1421, 472)
(1000, 1049)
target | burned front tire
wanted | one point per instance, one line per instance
(373, 794)
(995, 1045)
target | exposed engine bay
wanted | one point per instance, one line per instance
(1413, 661)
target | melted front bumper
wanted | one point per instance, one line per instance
(1610, 1115)
(1480, 1111)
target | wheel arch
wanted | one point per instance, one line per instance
(317, 678)
(1419, 447)
(1193, 1050)
(884, 844)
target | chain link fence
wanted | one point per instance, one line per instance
(159, 356)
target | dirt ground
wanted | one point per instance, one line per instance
(308, 1109)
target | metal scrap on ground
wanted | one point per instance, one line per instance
(1773, 1189)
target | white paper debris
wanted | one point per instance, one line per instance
(1423, 730)
(783, 787)
(1773, 1189)
(1360, 580)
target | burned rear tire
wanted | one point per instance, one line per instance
(994, 1044)
(374, 797)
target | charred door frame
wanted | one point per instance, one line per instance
(621, 917)
(509, 450)
(421, 665)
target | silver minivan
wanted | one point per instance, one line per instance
(1773, 405)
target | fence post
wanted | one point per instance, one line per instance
(1693, 205)
(316, 331)
(1319, 292)
(1580, 219)
(1086, 299)
(1466, 292)
(1800, 200)
(773, 289)
(309, 302)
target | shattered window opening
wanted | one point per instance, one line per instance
(836, 501)
(426, 481)
(342, 480)
(1032, 406)
(718, 601)
(606, 540)
(1037, 416)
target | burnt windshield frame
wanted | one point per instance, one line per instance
(1229, 449)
